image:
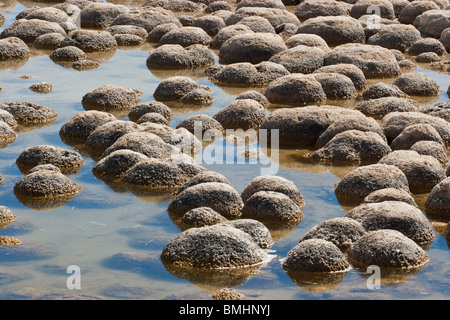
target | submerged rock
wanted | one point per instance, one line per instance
(184, 90)
(90, 40)
(29, 113)
(438, 201)
(362, 181)
(394, 215)
(211, 247)
(315, 255)
(81, 125)
(42, 87)
(68, 161)
(220, 197)
(67, 54)
(342, 232)
(388, 249)
(110, 98)
(115, 165)
(7, 217)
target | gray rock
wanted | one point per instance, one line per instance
(201, 217)
(29, 113)
(351, 71)
(176, 56)
(146, 17)
(99, 15)
(13, 48)
(110, 98)
(310, 9)
(390, 194)
(117, 163)
(241, 114)
(186, 36)
(90, 40)
(395, 36)
(379, 107)
(81, 125)
(29, 30)
(415, 133)
(300, 59)
(438, 201)
(418, 84)
(431, 148)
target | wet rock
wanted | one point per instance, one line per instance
(129, 40)
(315, 255)
(246, 74)
(90, 40)
(7, 117)
(414, 133)
(29, 113)
(351, 71)
(176, 5)
(187, 20)
(241, 114)
(204, 177)
(342, 232)
(7, 217)
(395, 36)
(438, 201)
(13, 48)
(68, 161)
(85, 64)
(117, 163)
(379, 107)
(41, 87)
(258, 24)
(99, 15)
(445, 38)
(201, 217)
(275, 16)
(7, 241)
(7, 134)
(390, 194)
(150, 107)
(46, 184)
(155, 174)
(177, 56)
(217, 6)
(427, 45)
(220, 197)
(423, 172)
(48, 41)
(110, 98)
(431, 23)
(278, 4)
(383, 90)
(202, 124)
(388, 249)
(147, 18)
(52, 14)
(81, 125)
(273, 184)
(374, 61)
(106, 134)
(394, 215)
(417, 84)
(309, 40)
(335, 30)
(431, 148)
(336, 86)
(302, 126)
(439, 109)
(146, 143)
(251, 47)
(29, 30)
(295, 89)
(362, 7)
(272, 208)
(310, 9)
(394, 123)
(180, 88)
(228, 32)
(254, 95)
(128, 30)
(186, 36)
(353, 146)
(300, 59)
(257, 230)
(407, 65)
(210, 24)
(153, 117)
(67, 54)
(351, 122)
(362, 181)
(415, 9)
(427, 57)
(211, 247)
(160, 30)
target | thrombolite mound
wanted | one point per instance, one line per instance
(153, 117)
(312, 8)
(415, 9)
(342, 232)
(7, 217)
(182, 89)
(227, 33)
(110, 98)
(186, 36)
(200, 124)
(254, 95)
(204, 177)
(151, 106)
(423, 172)
(439, 109)
(117, 163)
(379, 107)
(177, 56)
(362, 181)
(272, 208)
(251, 47)
(363, 7)
(201, 217)
(274, 184)
(29, 30)
(90, 40)
(415, 133)
(388, 249)
(374, 61)
(394, 215)
(211, 247)
(275, 16)
(220, 197)
(390, 194)
(336, 86)
(395, 36)
(13, 48)
(67, 54)
(99, 15)
(155, 35)
(431, 148)
(349, 70)
(146, 17)
(353, 146)
(417, 84)
(383, 90)
(241, 114)
(68, 161)
(7, 134)
(52, 14)
(8, 118)
(309, 40)
(427, 45)
(438, 201)
(210, 24)
(300, 59)
(81, 125)
(315, 255)
(432, 23)
(258, 24)
(29, 113)
(246, 73)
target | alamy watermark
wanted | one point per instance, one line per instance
(374, 280)
(74, 280)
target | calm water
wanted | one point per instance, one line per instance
(116, 237)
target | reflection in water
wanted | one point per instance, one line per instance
(320, 282)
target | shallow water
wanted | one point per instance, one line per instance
(116, 237)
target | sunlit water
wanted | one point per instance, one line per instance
(116, 237)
